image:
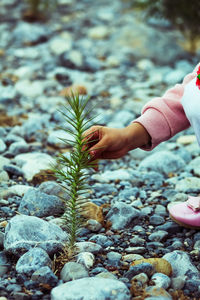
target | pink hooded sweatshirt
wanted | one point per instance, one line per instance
(165, 116)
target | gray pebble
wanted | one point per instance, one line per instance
(158, 236)
(156, 220)
(73, 271)
(114, 258)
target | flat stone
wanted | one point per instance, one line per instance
(113, 175)
(194, 166)
(91, 288)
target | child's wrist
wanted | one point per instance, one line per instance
(137, 136)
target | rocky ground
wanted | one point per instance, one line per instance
(103, 50)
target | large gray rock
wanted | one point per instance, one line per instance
(36, 203)
(181, 264)
(32, 260)
(24, 232)
(91, 288)
(164, 162)
(121, 215)
(141, 41)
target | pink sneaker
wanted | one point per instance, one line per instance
(186, 213)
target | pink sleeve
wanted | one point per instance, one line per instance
(164, 116)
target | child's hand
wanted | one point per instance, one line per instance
(112, 143)
(106, 143)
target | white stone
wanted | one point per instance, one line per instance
(186, 139)
(107, 176)
(19, 189)
(98, 32)
(86, 259)
(55, 138)
(59, 45)
(32, 163)
(29, 89)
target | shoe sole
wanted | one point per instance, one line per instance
(183, 224)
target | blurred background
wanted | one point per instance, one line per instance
(121, 53)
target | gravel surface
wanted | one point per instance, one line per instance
(102, 49)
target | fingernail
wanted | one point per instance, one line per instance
(93, 153)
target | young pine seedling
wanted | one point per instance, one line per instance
(71, 170)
